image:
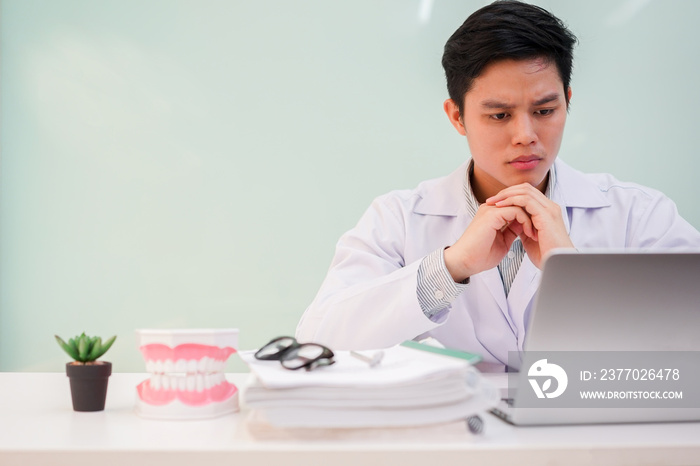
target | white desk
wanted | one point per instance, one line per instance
(38, 426)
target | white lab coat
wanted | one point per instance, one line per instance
(368, 299)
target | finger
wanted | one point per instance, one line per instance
(517, 214)
(509, 237)
(519, 189)
(519, 230)
(525, 222)
(505, 227)
(522, 200)
(532, 248)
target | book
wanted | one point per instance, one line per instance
(426, 345)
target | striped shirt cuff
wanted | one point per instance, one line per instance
(436, 289)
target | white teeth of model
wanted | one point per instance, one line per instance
(169, 366)
(191, 383)
(182, 383)
(202, 365)
(192, 366)
(207, 382)
(200, 383)
(155, 382)
(165, 382)
(181, 366)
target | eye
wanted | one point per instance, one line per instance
(499, 116)
(545, 111)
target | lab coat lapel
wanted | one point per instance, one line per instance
(494, 283)
(522, 293)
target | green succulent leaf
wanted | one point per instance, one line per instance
(83, 347)
(96, 345)
(104, 347)
(67, 348)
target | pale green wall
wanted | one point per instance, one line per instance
(192, 163)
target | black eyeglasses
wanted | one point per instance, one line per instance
(294, 355)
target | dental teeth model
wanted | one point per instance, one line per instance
(187, 373)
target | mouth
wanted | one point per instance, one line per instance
(525, 162)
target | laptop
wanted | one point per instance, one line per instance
(629, 308)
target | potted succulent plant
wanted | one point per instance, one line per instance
(88, 377)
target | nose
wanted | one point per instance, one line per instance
(524, 132)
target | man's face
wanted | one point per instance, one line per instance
(513, 117)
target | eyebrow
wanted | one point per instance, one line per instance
(494, 104)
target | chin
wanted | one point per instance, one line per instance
(531, 179)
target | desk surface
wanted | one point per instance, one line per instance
(38, 426)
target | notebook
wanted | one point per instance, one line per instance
(622, 306)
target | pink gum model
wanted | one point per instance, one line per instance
(185, 352)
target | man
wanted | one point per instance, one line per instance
(458, 258)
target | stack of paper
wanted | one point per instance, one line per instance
(408, 388)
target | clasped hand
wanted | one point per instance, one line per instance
(517, 211)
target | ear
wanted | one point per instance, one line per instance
(568, 92)
(452, 110)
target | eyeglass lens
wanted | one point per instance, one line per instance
(302, 356)
(275, 348)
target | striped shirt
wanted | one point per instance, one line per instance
(437, 290)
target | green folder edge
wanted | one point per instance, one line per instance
(471, 357)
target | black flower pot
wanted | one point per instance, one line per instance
(88, 384)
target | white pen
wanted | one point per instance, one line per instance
(372, 361)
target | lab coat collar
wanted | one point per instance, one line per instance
(445, 196)
(575, 189)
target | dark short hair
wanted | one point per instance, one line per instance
(504, 30)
